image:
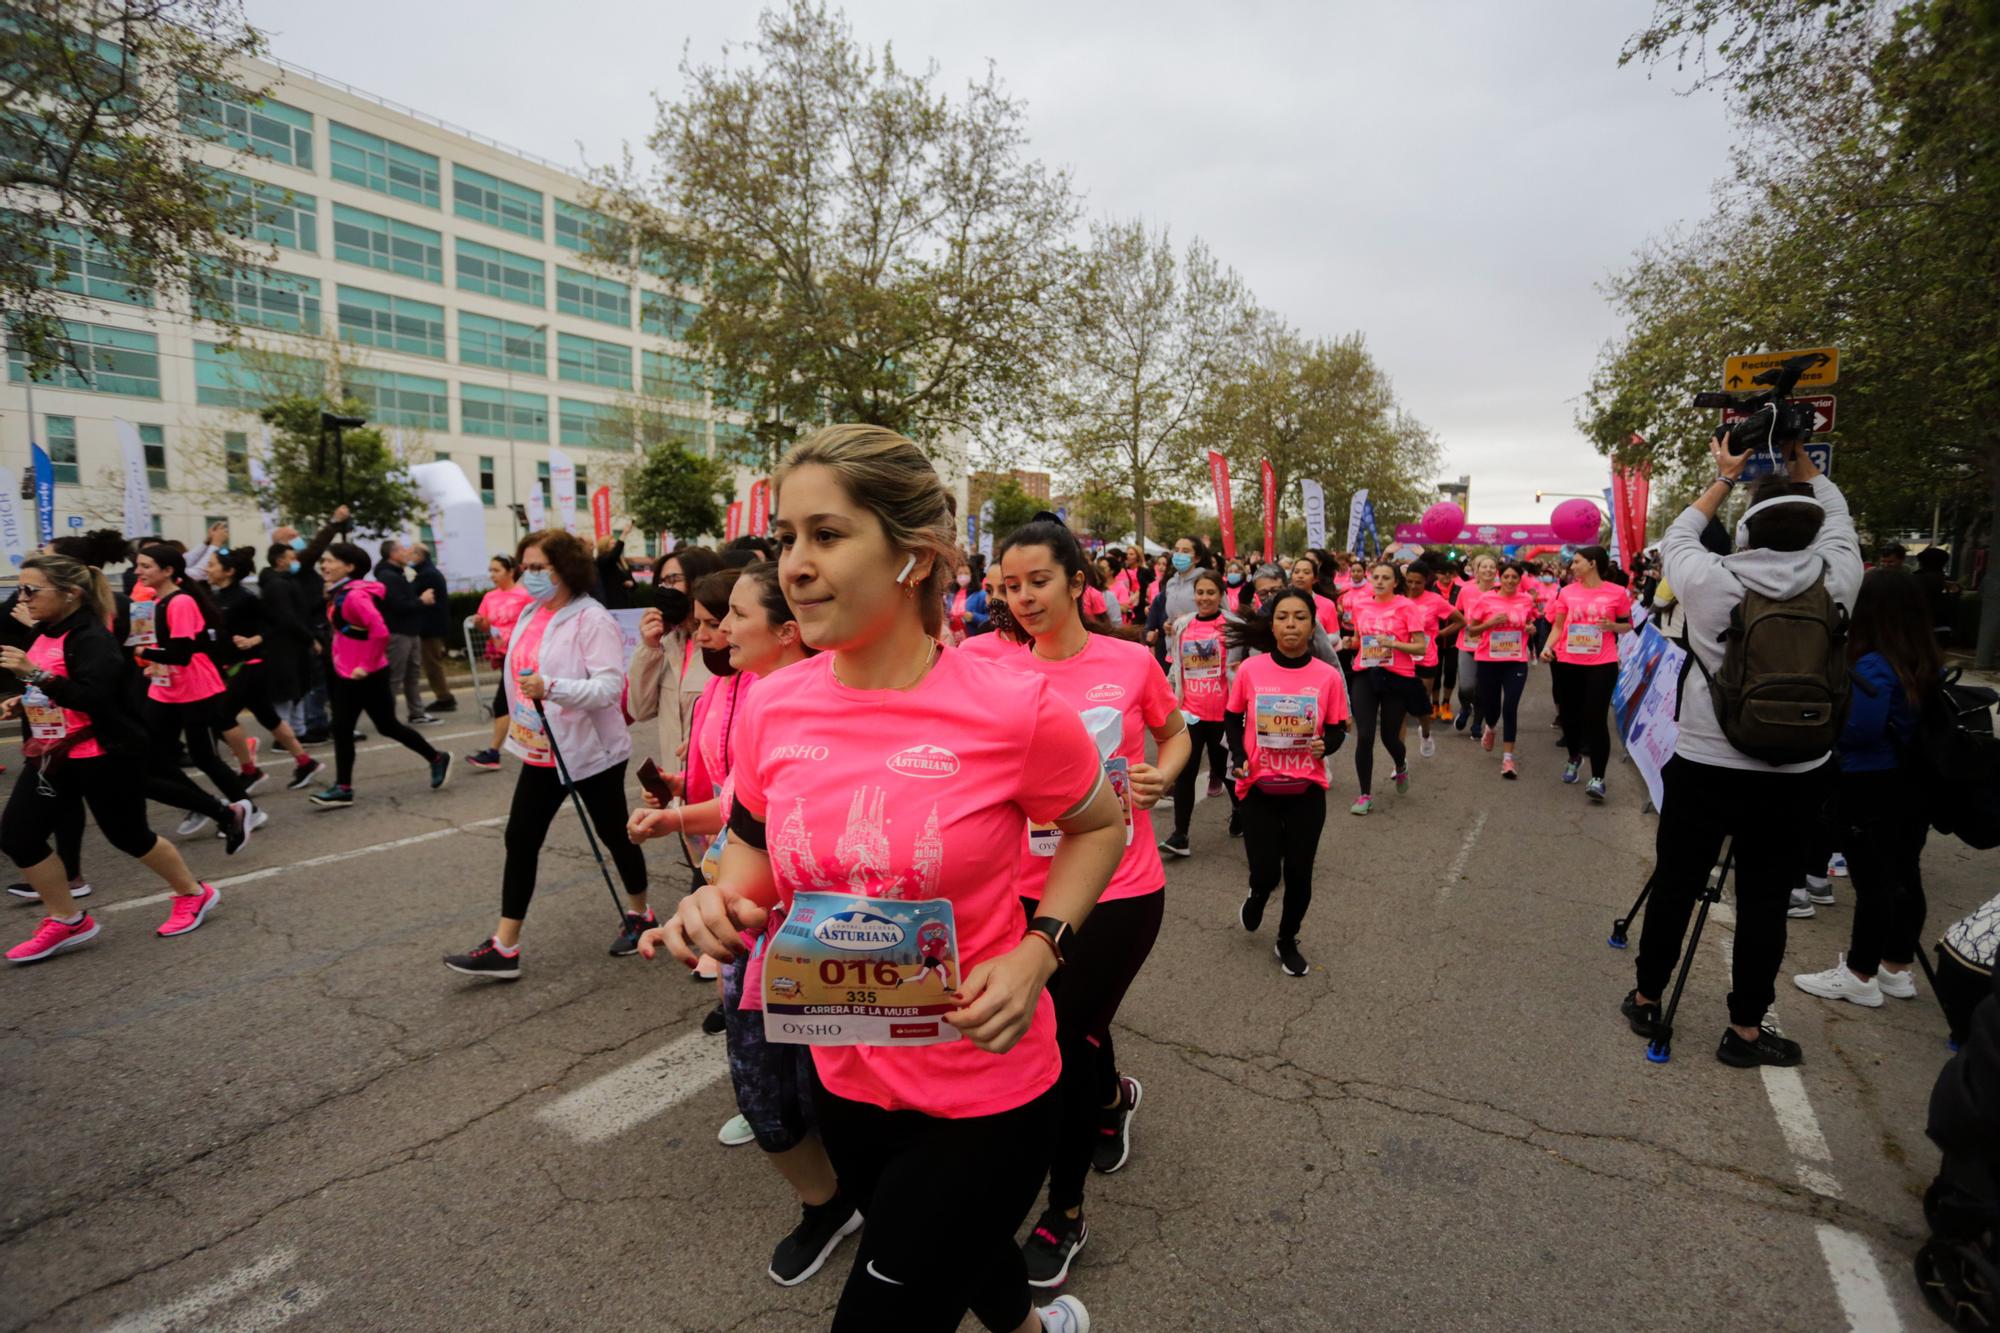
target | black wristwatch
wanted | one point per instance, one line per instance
(1055, 930)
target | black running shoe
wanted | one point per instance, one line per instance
(1768, 1049)
(237, 831)
(486, 761)
(440, 769)
(1644, 1018)
(819, 1232)
(443, 706)
(1052, 1245)
(1235, 824)
(1114, 1131)
(24, 892)
(315, 736)
(636, 924)
(1176, 844)
(1251, 914)
(253, 780)
(485, 960)
(715, 1022)
(304, 773)
(1290, 959)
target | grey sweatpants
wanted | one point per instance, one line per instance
(406, 670)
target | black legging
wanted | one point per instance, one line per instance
(193, 725)
(1883, 829)
(102, 782)
(1087, 991)
(1281, 837)
(1378, 692)
(538, 795)
(1583, 706)
(1500, 686)
(250, 691)
(1207, 738)
(1447, 665)
(163, 783)
(350, 699)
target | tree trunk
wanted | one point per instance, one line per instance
(1139, 510)
(1988, 654)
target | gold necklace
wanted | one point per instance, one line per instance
(930, 657)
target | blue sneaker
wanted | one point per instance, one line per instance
(440, 769)
(1572, 770)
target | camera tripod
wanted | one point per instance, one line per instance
(1660, 1049)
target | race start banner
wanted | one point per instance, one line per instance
(1642, 703)
(1218, 476)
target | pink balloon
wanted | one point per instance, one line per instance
(1577, 521)
(1442, 521)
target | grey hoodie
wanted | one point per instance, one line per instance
(1709, 587)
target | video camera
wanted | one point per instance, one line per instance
(1774, 420)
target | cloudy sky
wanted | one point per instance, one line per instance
(1452, 179)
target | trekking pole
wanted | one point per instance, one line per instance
(1660, 1049)
(589, 832)
(1618, 940)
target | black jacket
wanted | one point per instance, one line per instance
(1965, 1101)
(401, 610)
(288, 633)
(435, 618)
(101, 683)
(615, 584)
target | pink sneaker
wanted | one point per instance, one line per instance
(1486, 741)
(51, 938)
(190, 910)
(1507, 769)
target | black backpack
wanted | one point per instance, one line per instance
(1954, 760)
(1781, 692)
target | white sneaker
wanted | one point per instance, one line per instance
(1067, 1315)
(193, 824)
(735, 1132)
(1801, 907)
(257, 819)
(1837, 867)
(1837, 983)
(1820, 890)
(1429, 747)
(1901, 985)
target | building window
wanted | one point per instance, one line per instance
(488, 199)
(666, 316)
(542, 480)
(664, 375)
(288, 302)
(593, 297)
(375, 319)
(257, 125)
(121, 361)
(589, 424)
(236, 461)
(588, 361)
(225, 377)
(388, 399)
(59, 438)
(153, 439)
(583, 484)
(87, 267)
(738, 444)
(502, 414)
(486, 480)
(397, 247)
(381, 165)
(283, 217)
(584, 230)
(502, 344)
(501, 273)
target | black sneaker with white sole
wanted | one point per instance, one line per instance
(1114, 1132)
(1290, 959)
(303, 774)
(1176, 844)
(1643, 1019)
(1768, 1049)
(1052, 1245)
(819, 1232)
(243, 821)
(440, 769)
(22, 891)
(485, 960)
(253, 780)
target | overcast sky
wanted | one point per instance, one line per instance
(1452, 179)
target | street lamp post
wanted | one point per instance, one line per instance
(507, 417)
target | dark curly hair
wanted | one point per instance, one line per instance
(570, 558)
(97, 548)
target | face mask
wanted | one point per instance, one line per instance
(1548, 578)
(965, 580)
(298, 543)
(1235, 579)
(1182, 560)
(674, 604)
(539, 584)
(717, 661)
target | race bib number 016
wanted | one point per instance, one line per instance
(1584, 640)
(849, 971)
(1506, 645)
(1287, 721)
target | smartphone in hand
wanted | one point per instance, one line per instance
(655, 782)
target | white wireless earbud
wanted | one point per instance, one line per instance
(908, 565)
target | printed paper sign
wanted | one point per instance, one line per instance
(850, 971)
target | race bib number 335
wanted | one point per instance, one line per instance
(851, 971)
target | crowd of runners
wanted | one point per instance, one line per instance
(900, 801)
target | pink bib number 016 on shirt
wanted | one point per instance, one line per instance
(852, 971)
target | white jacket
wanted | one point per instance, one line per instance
(582, 658)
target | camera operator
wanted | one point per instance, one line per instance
(1793, 532)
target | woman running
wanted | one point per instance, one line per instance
(1502, 619)
(1896, 669)
(1198, 663)
(1585, 621)
(85, 737)
(1387, 638)
(1116, 687)
(500, 609)
(565, 678)
(248, 687)
(1484, 572)
(357, 677)
(1437, 618)
(1306, 578)
(864, 776)
(1287, 712)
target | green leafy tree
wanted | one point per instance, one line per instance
(868, 248)
(92, 99)
(308, 480)
(1172, 518)
(1012, 505)
(672, 490)
(1101, 511)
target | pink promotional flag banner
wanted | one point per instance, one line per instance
(1270, 512)
(1484, 534)
(760, 507)
(733, 524)
(600, 512)
(1218, 476)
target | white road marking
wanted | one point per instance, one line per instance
(630, 1096)
(1857, 1281)
(397, 745)
(1800, 1127)
(269, 1312)
(189, 1311)
(330, 858)
(1464, 857)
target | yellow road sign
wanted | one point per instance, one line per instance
(1739, 373)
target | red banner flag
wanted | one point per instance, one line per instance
(1218, 475)
(733, 525)
(760, 507)
(600, 512)
(1270, 513)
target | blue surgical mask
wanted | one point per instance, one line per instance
(1235, 579)
(539, 584)
(1182, 560)
(298, 543)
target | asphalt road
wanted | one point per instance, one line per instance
(296, 1117)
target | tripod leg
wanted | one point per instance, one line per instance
(1660, 1049)
(1618, 938)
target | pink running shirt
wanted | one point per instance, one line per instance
(502, 607)
(1271, 698)
(1434, 611)
(914, 794)
(1397, 618)
(991, 646)
(46, 652)
(197, 679)
(1204, 678)
(1519, 613)
(1582, 619)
